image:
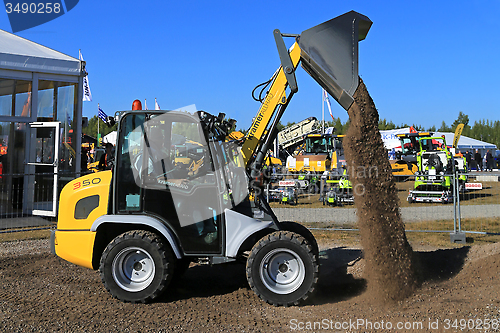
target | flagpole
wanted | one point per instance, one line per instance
(98, 107)
(323, 111)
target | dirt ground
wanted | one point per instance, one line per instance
(460, 288)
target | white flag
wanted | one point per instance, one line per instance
(325, 97)
(145, 105)
(157, 106)
(87, 95)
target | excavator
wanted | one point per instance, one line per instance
(143, 223)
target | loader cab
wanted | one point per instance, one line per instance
(323, 144)
(330, 146)
(167, 167)
(318, 144)
(434, 154)
(410, 145)
(433, 144)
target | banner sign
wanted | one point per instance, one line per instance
(474, 186)
(287, 183)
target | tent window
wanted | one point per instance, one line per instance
(15, 95)
(57, 102)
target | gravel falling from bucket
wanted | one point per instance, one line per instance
(390, 270)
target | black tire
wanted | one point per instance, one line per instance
(282, 269)
(304, 232)
(137, 267)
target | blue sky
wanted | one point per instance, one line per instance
(423, 61)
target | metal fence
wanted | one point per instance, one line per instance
(22, 195)
(475, 210)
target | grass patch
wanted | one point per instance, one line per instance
(24, 235)
(427, 238)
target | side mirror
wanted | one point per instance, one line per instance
(110, 121)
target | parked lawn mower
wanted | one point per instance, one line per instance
(289, 196)
(340, 194)
(434, 178)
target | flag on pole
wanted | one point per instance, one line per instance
(327, 100)
(87, 95)
(145, 105)
(157, 106)
(101, 114)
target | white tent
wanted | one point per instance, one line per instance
(464, 143)
(17, 53)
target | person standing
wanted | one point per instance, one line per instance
(468, 160)
(479, 160)
(489, 161)
(106, 161)
(83, 160)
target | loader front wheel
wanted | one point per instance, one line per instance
(136, 266)
(282, 269)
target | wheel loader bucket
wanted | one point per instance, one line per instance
(329, 53)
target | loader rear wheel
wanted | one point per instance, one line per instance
(136, 266)
(282, 269)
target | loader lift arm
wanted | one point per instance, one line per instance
(329, 54)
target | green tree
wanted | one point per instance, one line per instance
(462, 119)
(444, 127)
(104, 129)
(383, 125)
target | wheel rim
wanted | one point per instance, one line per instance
(282, 271)
(133, 269)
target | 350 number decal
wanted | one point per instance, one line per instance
(86, 182)
(33, 8)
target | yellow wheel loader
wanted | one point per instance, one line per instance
(141, 224)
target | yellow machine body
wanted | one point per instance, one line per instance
(82, 201)
(402, 168)
(319, 160)
(313, 163)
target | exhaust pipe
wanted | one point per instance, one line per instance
(329, 53)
